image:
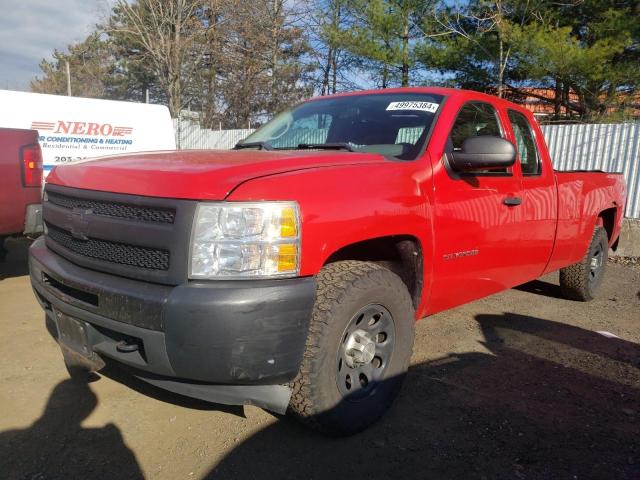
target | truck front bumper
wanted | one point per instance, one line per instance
(231, 342)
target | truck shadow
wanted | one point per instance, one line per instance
(16, 258)
(56, 446)
(540, 287)
(547, 400)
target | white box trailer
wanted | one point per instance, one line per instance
(74, 128)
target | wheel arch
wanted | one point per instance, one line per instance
(607, 219)
(402, 254)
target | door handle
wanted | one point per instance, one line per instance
(512, 201)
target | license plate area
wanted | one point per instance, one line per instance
(73, 334)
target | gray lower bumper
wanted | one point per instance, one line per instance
(227, 342)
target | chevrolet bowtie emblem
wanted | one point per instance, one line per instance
(78, 223)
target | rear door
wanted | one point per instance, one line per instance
(539, 196)
(477, 221)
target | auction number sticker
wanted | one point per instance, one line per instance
(422, 106)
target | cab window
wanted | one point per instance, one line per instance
(525, 143)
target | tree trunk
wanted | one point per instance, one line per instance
(334, 66)
(175, 73)
(565, 99)
(557, 99)
(405, 51)
(500, 67)
(333, 58)
(277, 6)
(326, 73)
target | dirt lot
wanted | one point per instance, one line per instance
(516, 386)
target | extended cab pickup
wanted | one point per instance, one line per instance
(288, 273)
(20, 183)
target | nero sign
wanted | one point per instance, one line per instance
(72, 128)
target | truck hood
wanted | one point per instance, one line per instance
(193, 174)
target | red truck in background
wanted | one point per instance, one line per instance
(20, 184)
(288, 273)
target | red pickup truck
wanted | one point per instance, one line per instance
(20, 183)
(288, 273)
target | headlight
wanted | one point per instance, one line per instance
(240, 240)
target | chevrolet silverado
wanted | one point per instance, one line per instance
(288, 272)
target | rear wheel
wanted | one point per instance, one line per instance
(582, 280)
(358, 348)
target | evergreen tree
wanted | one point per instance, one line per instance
(382, 34)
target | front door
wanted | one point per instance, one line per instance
(477, 219)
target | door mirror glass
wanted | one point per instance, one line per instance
(483, 152)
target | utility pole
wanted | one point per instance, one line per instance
(68, 78)
(146, 95)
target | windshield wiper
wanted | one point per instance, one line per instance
(260, 145)
(325, 146)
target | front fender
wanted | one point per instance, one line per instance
(344, 205)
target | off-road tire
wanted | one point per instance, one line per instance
(3, 250)
(343, 288)
(577, 281)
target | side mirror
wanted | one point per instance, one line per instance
(483, 152)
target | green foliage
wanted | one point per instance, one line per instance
(587, 50)
(382, 34)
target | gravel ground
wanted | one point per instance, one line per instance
(521, 385)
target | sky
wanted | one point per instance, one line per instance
(31, 29)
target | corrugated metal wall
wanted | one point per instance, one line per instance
(609, 147)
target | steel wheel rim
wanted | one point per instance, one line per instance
(358, 373)
(595, 267)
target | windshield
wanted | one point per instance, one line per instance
(392, 124)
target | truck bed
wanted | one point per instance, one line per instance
(582, 197)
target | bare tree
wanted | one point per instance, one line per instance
(167, 35)
(260, 69)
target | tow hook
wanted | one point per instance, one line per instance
(124, 347)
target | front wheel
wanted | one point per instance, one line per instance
(358, 348)
(582, 280)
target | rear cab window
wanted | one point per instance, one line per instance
(528, 154)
